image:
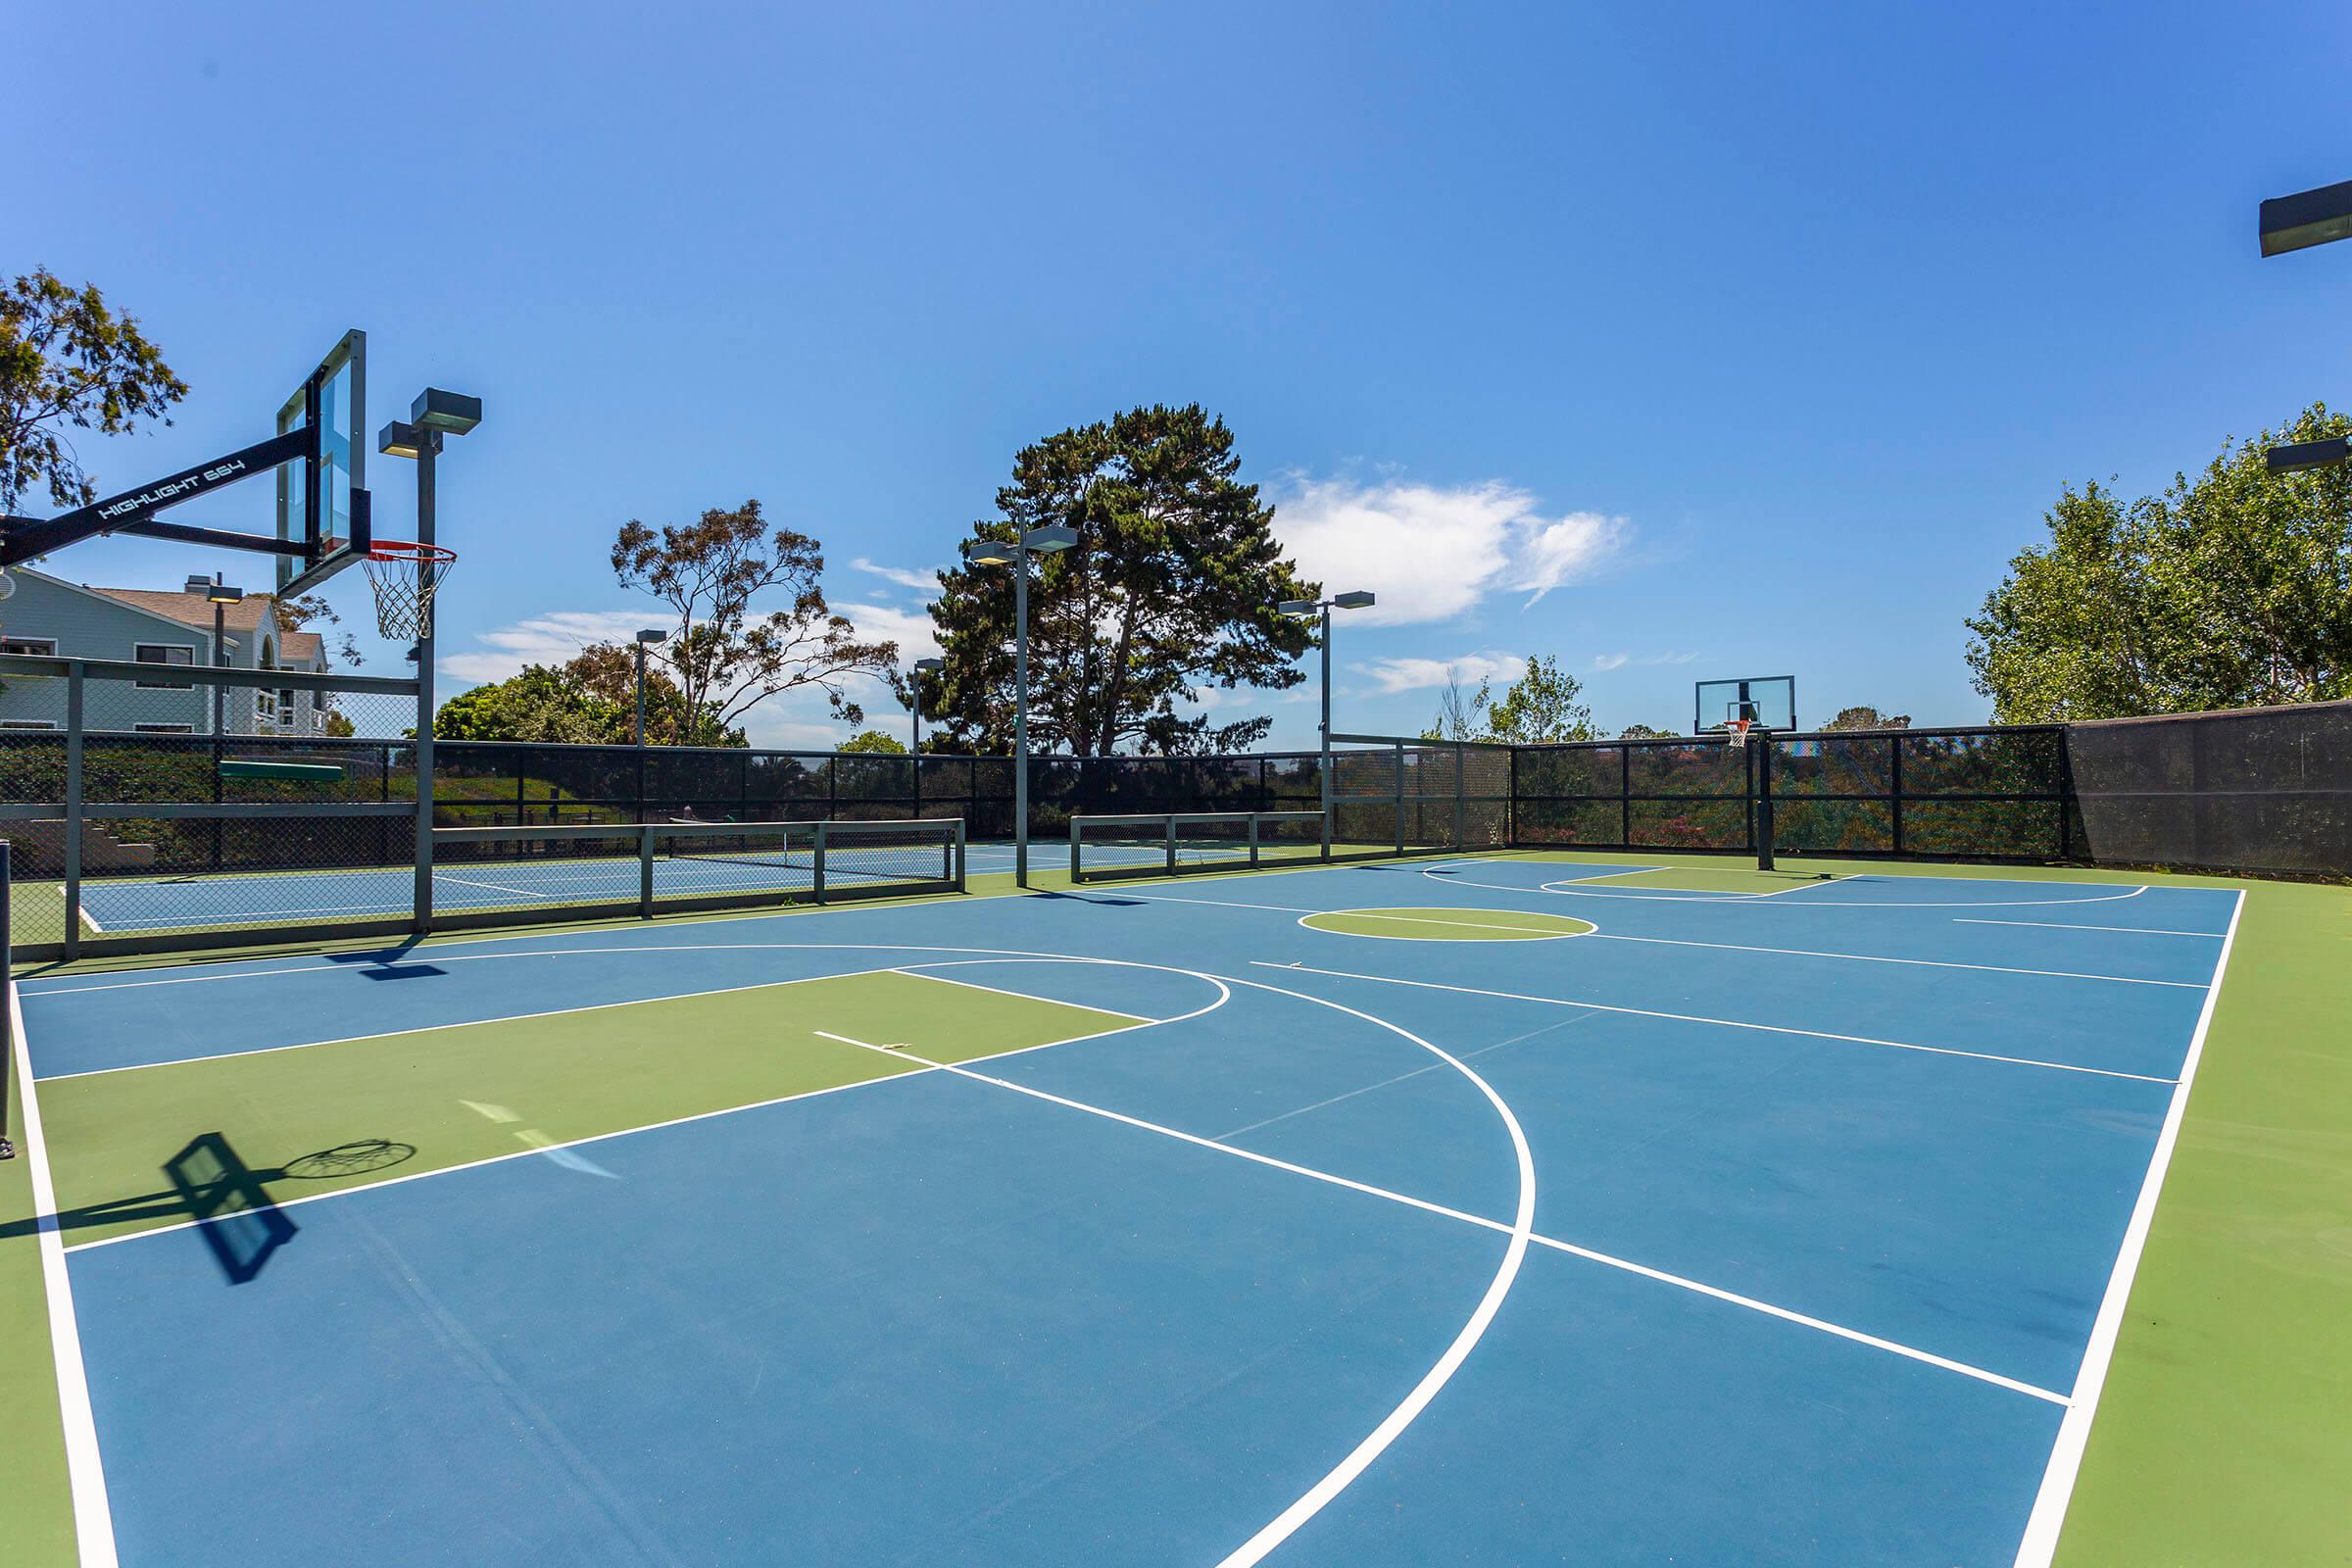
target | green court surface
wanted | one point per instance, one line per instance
(1449, 925)
(474, 1092)
(1700, 876)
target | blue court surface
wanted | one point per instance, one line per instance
(1747, 1228)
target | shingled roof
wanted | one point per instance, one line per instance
(194, 610)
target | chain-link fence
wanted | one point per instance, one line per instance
(1945, 794)
(162, 805)
(1393, 795)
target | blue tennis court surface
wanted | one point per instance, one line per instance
(1746, 1228)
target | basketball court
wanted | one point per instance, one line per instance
(1500, 1208)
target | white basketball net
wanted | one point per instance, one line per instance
(405, 578)
(1738, 728)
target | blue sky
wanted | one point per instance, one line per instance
(1670, 341)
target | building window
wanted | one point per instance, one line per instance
(181, 654)
(276, 708)
(28, 645)
(165, 729)
(27, 723)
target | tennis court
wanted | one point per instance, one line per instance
(1508, 1208)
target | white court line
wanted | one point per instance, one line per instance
(1926, 964)
(2069, 925)
(1892, 1346)
(1720, 1023)
(2040, 1542)
(495, 887)
(1606, 1259)
(460, 1023)
(88, 918)
(1566, 888)
(85, 1472)
(914, 972)
(1631, 870)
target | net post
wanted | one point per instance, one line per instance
(817, 861)
(645, 869)
(1171, 844)
(1252, 841)
(74, 712)
(1077, 875)
(955, 838)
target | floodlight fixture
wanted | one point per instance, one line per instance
(449, 413)
(2306, 218)
(1049, 539)
(930, 667)
(650, 635)
(400, 439)
(2307, 454)
(1299, 607)
(1359, 600)
(990, 553)
(216, 591)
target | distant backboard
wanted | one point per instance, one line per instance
(315, 501)
(1769, 699)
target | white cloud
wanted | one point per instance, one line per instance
(1431, 553)
(549, 639)
(1392, 675)
(911, 629)
(928, 581)
(1605, 662)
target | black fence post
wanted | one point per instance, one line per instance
(1895, 785)
(1625, 797)
(1764, 804)
(8, 1026)
(77, 712)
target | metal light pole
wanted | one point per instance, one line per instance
(221, 597)
(914, 693)
(1308, 606)
(433, 414)
(1051, 539)
(645, 639)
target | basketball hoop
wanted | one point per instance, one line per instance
(405, 577)
(1736, 730)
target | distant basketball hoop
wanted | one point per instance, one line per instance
(406, 577)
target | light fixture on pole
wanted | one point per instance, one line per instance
(1358, 600)
(2293, 223)
(221, 597)
(414, 574)
(914, 696)
(1051, 539)
(644, 640)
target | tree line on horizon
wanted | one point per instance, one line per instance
(2231, 588)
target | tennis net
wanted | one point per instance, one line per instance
(1172, 843)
